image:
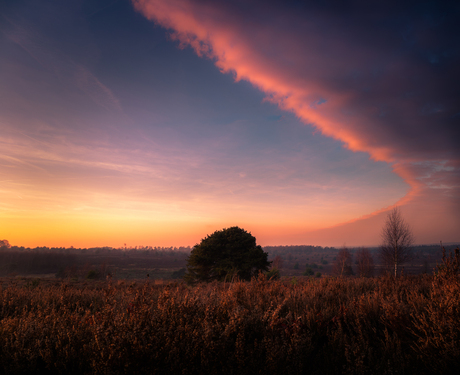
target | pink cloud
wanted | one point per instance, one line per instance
(278, 63)
(305, 64)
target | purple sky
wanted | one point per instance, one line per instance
(157, 122)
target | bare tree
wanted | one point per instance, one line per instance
(342, 266)
(364, 263)
(397, 241)
(278, 262)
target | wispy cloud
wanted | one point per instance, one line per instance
(346, 75)
(106, 126)
(51, 58)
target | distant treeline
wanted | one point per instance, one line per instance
(99, 250)
(64, 262)
(297, 249)
(73, 261)
(301, 250)
(296, 260)
(306, 249)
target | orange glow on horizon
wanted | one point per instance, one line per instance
(158, 147)
(211, 34)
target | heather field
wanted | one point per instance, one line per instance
(304, 325)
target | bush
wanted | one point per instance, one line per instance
(93, 274)
(342, 266)
(224, 255)
(179, 274)
(273, 274)
(61, 274)
(308, 272)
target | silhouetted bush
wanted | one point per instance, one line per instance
(224, 255)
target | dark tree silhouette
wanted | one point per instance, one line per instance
(364, 263)
(342, 265)
(4, 244)
(225, 254)
(397, 241)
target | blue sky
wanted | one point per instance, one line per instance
(154, 122)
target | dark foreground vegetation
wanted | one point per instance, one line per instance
(384, 325)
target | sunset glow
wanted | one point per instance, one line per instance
(157, 122)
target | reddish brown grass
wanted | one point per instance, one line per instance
(315, 326)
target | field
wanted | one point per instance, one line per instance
(299, 325)
(164, 263)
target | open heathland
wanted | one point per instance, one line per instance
(167, 263)
(384, 325)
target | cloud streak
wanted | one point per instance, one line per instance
(61, 65)
(106, 125)
(349, 74)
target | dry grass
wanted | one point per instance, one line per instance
(315, 326)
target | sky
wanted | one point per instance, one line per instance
(157, 122)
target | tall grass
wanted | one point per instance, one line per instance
(315, 326)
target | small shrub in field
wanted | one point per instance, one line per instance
(309, 272)
(61, 274)
(92, 274)
(179, 274)
(364, 263)
(34, 283)
(273, 274)
(342, 265)
(450, 266)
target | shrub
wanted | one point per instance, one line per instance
(179, 274)
(92, 274)
(273, 274)
(342, 265)
(365, 263)
(226, 254)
